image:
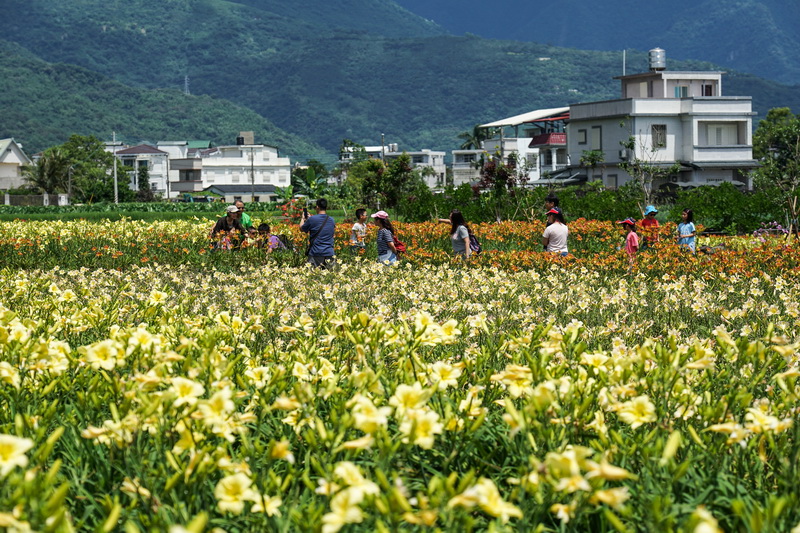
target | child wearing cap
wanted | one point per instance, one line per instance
(650, 226)
(358, 233)
(631, 241)
(387, 251)
(555, 234)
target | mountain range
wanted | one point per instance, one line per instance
(755, 36)
(304, 76)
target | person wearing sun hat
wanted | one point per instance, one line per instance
(631, 240)
(555, 234)
(387, 251)
(228, 230)
(650, 226)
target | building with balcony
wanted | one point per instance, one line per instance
(155, 161)
(253, 171)
(467, 166)
(535, 140)
(670, 117)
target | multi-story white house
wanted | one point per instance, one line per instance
(247, 171)
(672, 117)
(466, 166)
(154, 160)
(12, 159)
(537, 140)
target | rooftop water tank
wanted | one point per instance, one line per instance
(658, 59)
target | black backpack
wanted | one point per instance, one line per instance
(474, 244)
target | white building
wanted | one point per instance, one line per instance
(254, 169)
(536, 139)
(154, 160)
(673, 117)
(467, 166)
(12, 159)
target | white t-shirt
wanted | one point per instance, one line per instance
(357, 234)
(557, 235)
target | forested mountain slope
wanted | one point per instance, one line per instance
(43, 104)
(312, 70)
(757, 36)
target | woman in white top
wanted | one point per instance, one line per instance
(555, 234)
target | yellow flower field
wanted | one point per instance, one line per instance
(423, 397)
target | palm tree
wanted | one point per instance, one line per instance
(474, 139)
(50, 173)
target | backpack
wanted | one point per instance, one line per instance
(474, 244)
(399, 245)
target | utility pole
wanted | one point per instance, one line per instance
(252, 177)
(383, 150)
(116, 189)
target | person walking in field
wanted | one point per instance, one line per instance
(459, 234)
(320, 229)
(687, 231)
(631, 241)
(387, 251)
(556, 233)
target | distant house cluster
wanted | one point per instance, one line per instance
(243, 171)
(663, 117)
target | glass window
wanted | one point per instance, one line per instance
(659, 136)
(581, 136)
(597, 138)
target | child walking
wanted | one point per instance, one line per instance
(631, 241)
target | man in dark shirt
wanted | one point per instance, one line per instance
(320, 229)
(228, 230)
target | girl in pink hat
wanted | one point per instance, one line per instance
(387, 252)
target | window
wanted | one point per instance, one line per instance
(581, 136)
(659, 136)
(597, 141)
(708, 90)
(681, 91)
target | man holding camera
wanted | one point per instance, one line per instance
(320, 229)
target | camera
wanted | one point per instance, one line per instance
(305, 212)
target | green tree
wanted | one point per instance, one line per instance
(51, 173)
(777, 143)
(592, 158)
(644, 166)
(307, 181)
(92, 174)
(364, 177)
(145, 192)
